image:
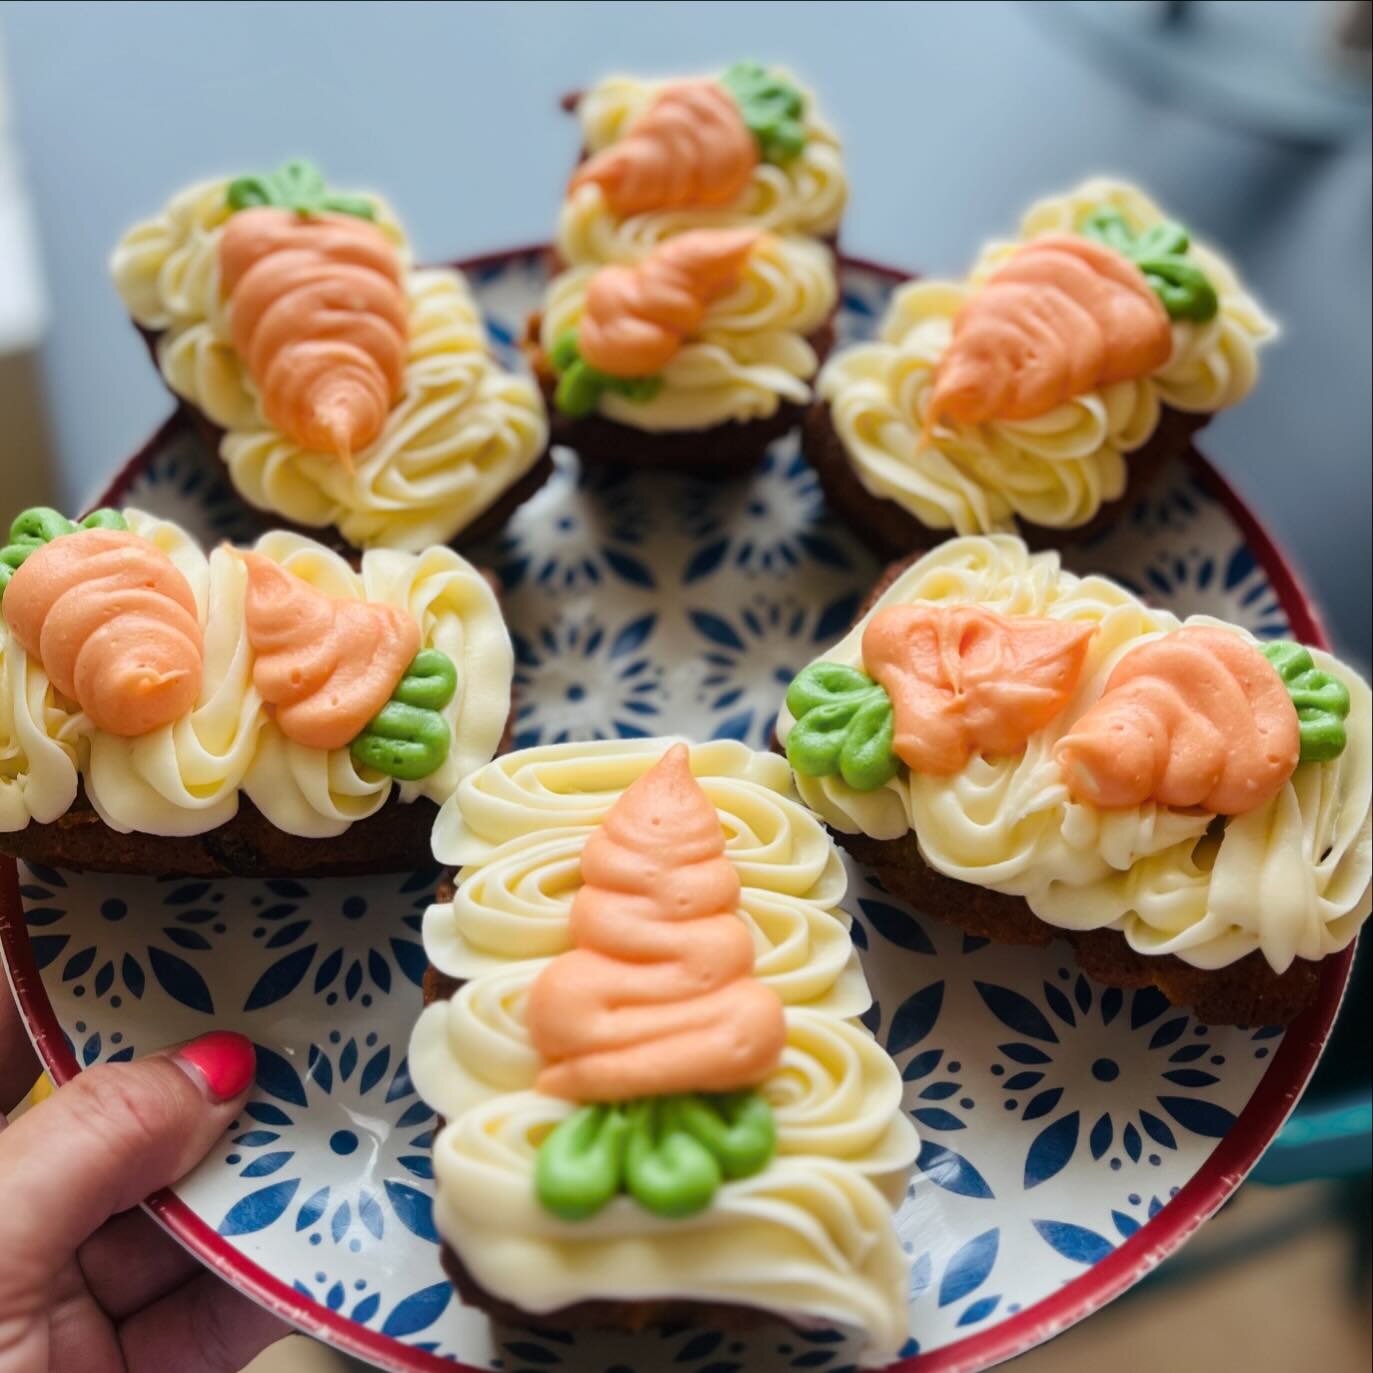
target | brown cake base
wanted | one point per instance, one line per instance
(629, 1316)
(490, 521)
(586, 1315)
(892, 531)
(1246, 992)
(735, 446)
(395, 839)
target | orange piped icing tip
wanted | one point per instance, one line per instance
(327, 664)
(1061, 316)
(317, 312)
(965, 680)
(638, 317)
(689, 148)
(658, 996)
(114, 624)
(1197, 718)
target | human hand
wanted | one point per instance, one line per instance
(87, 1284)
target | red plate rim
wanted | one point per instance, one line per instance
(1277, 1094)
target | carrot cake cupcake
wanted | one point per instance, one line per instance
(641, 1034)
(744, 147)
(1072, 364)
(247, 712)
(343, 385)
(697, 355)
(1033, 754)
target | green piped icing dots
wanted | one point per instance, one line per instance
(296, 185)
(41, 525)
(580, 385)
(843, 725)
(771, 107)
(409, 738)
(1160, 252)
(670, 1154)
(1321, 699)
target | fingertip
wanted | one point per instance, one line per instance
(222, 1064)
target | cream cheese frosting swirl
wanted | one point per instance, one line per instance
(1289, 878)
(821, 1210)
(186, 777)
(1059, 468)
(805, 196)
(462, 431)
(749, 355)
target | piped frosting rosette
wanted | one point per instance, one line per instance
(1284, 871)
(448, 429)
(1058, 466)
(374, 634)
(810, 1234)
(745, 352)
(712, 171)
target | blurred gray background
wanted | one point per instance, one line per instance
(955, 116)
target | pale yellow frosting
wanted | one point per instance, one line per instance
(1055, 470)
(187, 777)
(463, 431)
(750, 355)
(804, 196)
(811, 1236)
(1290, 878)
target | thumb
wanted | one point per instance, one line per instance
(108, 1139)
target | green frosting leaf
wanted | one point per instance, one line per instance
(1160, 252)
(843, 725)
(739, 1129)
(772, 108)
(667, 1169)
(41, 525)
(669, 1153)
(409, 739)
(580, 385)
(581, 1164)
(1321, 699)
(297, 185)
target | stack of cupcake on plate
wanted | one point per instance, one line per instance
(697, 285)
(641, 1022)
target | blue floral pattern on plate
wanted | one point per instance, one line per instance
(1057, 1117)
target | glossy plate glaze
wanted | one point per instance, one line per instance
(1072, 1135)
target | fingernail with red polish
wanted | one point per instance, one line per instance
(222, 1062)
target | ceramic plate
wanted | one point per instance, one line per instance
(1072, 1135)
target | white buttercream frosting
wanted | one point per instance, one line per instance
(186, 777)
(463, 431)
(1059, 468)
(1290, 878)
(811, 1236)
(750, 354)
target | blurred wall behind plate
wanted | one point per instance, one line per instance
(956, 116)
(27, 468)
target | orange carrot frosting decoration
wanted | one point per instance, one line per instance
(691, 147)
(965, 680)
(1064, 314)
(658, 996)
(638, 317)
(317, 312)
(1199, 717)
(115, 626)
(328, 664)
